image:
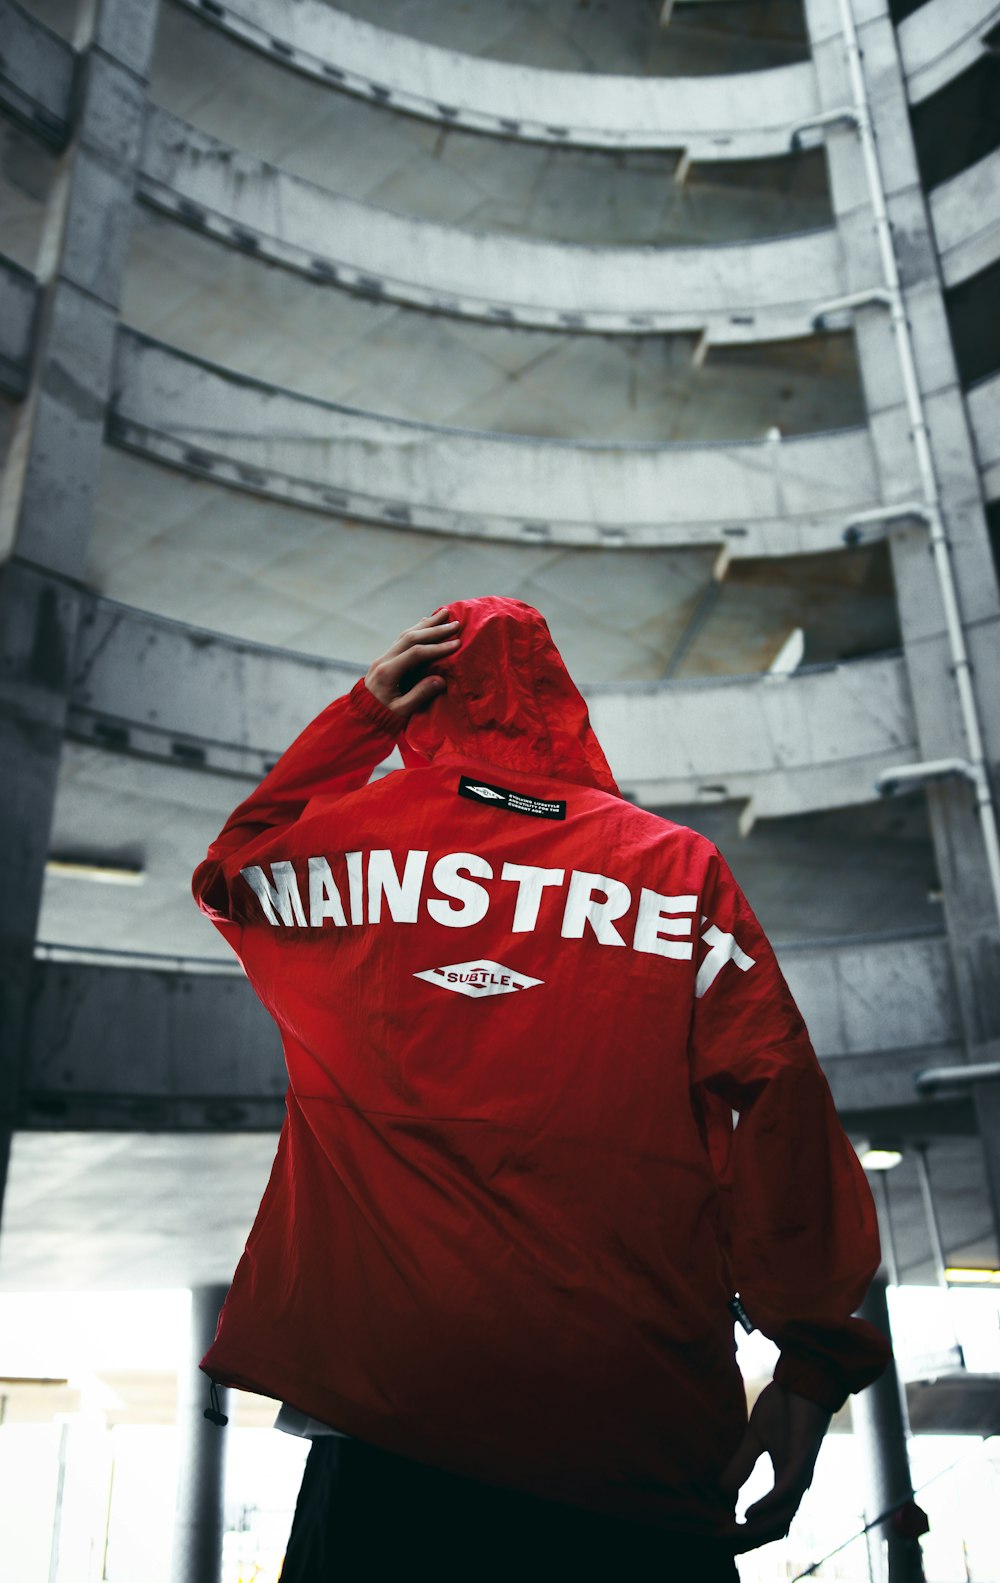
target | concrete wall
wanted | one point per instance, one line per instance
(748, 291)
(941, 39)
(965, 212)
(18, 300)
(36, 74)
(739, 116)
(772, 497)
(790, 743)
(211, 1056)
(983, 402)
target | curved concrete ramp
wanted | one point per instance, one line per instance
(743, 291)
(712, 117)
(766, 497)
(785, 745)
(877, 1010)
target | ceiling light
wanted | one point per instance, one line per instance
(960, 1277)
(880, 1159)
(97, 870)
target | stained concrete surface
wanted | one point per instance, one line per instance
(272, 573)
(864, 870)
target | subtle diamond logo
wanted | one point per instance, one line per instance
(478, 979)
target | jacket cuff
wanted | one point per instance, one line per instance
(365, 704)
(813, 1379)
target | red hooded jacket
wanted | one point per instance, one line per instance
(509, 1207)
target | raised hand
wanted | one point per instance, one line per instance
(399, 679)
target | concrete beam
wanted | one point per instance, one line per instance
(788, 744)
(119, 1047)
(753, 291)
(134, 1048)
(742, 115)
(778, 496)
(983, 402)
(966, 216)
(942, 39)
(18, 306)
(36, 75)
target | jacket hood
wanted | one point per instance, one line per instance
(510, 700)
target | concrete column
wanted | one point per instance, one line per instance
(197, 1553)
(969, 906)
(48, 489)
(878, 1416)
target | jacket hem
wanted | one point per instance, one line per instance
(247, 1371)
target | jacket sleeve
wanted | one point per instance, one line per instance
(336, 753)
(803, 1230)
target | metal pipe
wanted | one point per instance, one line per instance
(930, 1212)
(934, 1077)
(940, 546)
(854, 299)
(197, 1550)
(845, 115)
(878, 1418)
(879, 1181)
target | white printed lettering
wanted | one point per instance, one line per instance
(474, 899)
(355, 886)
(654, 922)
(283, 895)
(324, 897)
(723, 949)
(530, 882)
(581, 907)
(402, 895)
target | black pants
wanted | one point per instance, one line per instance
(364, 1513)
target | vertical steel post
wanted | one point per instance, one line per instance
(878, 1416)
(201, 1472)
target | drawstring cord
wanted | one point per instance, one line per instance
(214, 1413)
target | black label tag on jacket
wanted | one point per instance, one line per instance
(515, 802)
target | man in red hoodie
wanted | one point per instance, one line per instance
(551, 1107)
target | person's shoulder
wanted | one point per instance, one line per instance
(658, 827)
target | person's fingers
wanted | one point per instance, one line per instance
(763, 1531)
(741, 1464)
(433, 637)
(429, 629)
(419, 695)
(395, 666)
(771, 1517)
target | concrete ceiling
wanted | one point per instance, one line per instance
(623, 36)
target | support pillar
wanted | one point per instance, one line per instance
(197, 1554)
(878, 1416)
(924, 449)
(50, 482)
